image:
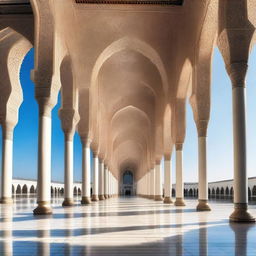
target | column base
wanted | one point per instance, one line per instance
(151, 197)
(158, 198)
(106, 196)
(68, 202)
(179, 202)
(101, 197)
(168, 200)
(240, 214)
(203, 206)
(95, 198)
(86, 200)
(6, 200)
(43, 208)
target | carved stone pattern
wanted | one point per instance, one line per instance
(202, 126)
(179, 146)
(68, 120)
(167, 157)
(237, 72)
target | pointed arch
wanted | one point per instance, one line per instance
(132, 44)
(32, 189)
(18, 189)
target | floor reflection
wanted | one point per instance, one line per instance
(151, 229)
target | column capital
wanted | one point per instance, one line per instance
(202, 126)
(45, 106)
(95, 154)
(179, 146)
(86, 142)
(237, 73)
(167, 157)
(69, 136)
(69, 118)
(158, 162)
(7, 131)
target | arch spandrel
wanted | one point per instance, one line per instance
(13, 49)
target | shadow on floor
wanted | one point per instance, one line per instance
(29, 216)
(220, 239)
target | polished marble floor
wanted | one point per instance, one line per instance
(124, 226)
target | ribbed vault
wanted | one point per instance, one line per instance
(129, 97)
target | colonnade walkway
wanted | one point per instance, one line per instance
(124, 226)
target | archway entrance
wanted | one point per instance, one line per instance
(127, 183)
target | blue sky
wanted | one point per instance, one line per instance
(220, 147)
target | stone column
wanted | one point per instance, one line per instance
(108, 192)
(44, 159)
(109, 183)
(202, 167)
(112, 184)
(86, 169)
(105, 181)
(158, 182)
(95, 187)
(68, 186)
(237, 72)
(167, 180)
(148, 185)
(152, 183)
(145, 186)
(179, 176)
(101, 180)
(7, 169)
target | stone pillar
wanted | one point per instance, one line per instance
(167, 180)
(95, 187)
(237, 72)
(68, 186)
(101, 180)
(148, 185)
(105, 181)
(44, 159)
(179, 176)
(109, 183)
(86, 172)
(112, 185)
(158, 182)
(152, 183)
(7, 169)
(202, 167)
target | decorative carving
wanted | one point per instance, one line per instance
(179, 146)
(202, 126)
(167, 157)
(158, 161)
(69, 119)
(86, 142)
(237, 73)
